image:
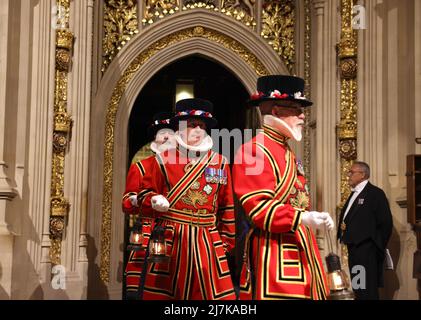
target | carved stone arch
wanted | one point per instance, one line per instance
(205, 33)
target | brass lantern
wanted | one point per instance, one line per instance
(157, 246)
(337, 279)
(136, 236)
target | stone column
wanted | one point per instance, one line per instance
(370, 96)
(32, 268)
(324, 111)
(74, 246)
(7, 192)
(387, 126)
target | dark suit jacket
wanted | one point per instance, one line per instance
(368, 218)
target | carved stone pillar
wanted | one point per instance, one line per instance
(347, 128)
(59, 205)
(7, 192)
(324, 110)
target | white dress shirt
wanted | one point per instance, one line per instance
(357, 190)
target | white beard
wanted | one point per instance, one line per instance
(204, 146)
(283, 127)
(169, 144)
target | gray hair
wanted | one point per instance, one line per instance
(365, 168)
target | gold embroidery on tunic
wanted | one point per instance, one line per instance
(194, 198)
(300, 201)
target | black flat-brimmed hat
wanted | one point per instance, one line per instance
(280, 88)
(160, 121)
(194, 108)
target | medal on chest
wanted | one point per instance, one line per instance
(215, 176)
(300, 167)
(208, 189)
(195, 185)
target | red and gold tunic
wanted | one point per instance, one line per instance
(199, 227)
(136, 258)
(282, 260)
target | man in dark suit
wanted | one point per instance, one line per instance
(365, 226)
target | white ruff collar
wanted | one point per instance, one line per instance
(204, 146)
(282, 127)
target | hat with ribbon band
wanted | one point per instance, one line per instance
(195, 108)
(160, 121)
(280, 88)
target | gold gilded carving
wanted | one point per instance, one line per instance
(64, 39)
(165, 42)
(59, 206)
(57, 178)
(307, 89)
(206, 4)
(62, 124)
(278, 27)
(62, 13)
(241, 51)
(62, 60)
(59, 141)
(60, 91)
(240, 10)
(347, 128)
(55, 249)
(348, 67)
(158, 9)
(198, 31)
(56, 226)
(120, 24)
(348, 45)
(348, 149)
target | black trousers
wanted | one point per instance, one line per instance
(366, 269)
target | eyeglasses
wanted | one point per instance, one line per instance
(291, 110)
(351, 172)
(195, 123)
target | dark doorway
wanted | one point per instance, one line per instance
(212, 81)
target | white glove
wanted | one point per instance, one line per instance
(317, 220)
(160, 203)
(329, 221)
(133, 201)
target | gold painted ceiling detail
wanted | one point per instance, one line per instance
(59, 204)
(278, 27)
(158, 9)
(275, 20)
(120, 25)
(241, 10)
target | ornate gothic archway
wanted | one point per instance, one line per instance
(242, 52)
